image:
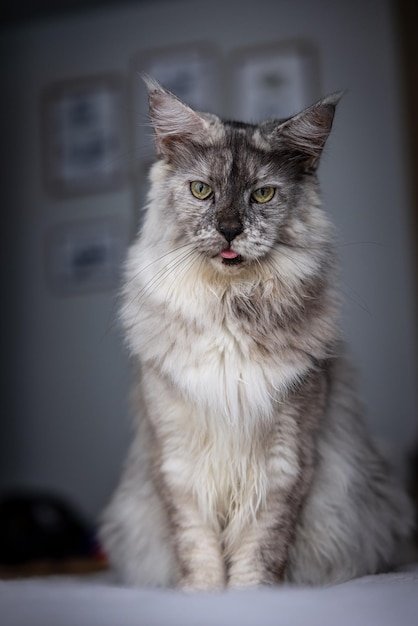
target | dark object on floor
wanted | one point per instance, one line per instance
(41, 527)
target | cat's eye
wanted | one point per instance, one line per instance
(264, 194)
(200, 190)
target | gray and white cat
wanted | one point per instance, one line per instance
(251, 464)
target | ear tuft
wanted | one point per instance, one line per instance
(307, 132)
(172, 119)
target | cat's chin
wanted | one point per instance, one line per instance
(234, 261)
(228, 266)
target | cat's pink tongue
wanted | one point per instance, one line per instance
(229, 254)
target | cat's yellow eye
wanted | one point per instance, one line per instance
(264, 194)
(200, 190)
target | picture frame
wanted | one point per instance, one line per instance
(83, 132)
(273, 81)
(83, 256)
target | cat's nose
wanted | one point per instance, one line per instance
(230, 230)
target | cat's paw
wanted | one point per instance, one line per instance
(244, 582)
(202, 581)
(245, 578)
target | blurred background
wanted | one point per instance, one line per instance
(75, 149)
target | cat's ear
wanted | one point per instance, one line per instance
(172, 120)
(306, 132)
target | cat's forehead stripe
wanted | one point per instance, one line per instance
(237, 156)
(250, 155)
(246, 136)
(259, 141)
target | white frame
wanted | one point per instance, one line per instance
(84, 138)
(85, 255)
(273, 81)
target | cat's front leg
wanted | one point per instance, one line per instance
(262, 554)
(195, 542)
(197, 548)
(258, 552)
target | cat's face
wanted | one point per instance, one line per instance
(231, 197)
(237, 189)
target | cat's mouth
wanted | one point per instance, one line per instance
(235, 261)
(230, 257)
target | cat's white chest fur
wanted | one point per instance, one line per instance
(219, 373)
(213, 390)
(197, 342)
(220, 466)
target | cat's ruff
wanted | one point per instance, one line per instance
(250, 463)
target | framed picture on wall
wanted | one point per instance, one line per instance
(85, 255)
(83, 135)
(273, 81)
(192, 72)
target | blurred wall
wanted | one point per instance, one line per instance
(65, 423)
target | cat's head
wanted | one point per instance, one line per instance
(236, 191)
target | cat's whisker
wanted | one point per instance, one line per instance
(161, 272)
(162, 275)
(140, 298)
(345, 288)
(357, 299)
(190, 260)
(300, 267)
(311, 246)
(155, 260)
(346, 244)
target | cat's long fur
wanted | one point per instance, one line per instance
(250, 463)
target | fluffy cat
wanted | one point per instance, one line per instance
(250, 463)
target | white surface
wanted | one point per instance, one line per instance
(384, 600)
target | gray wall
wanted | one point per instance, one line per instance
(66, 420)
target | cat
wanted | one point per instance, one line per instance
(250, 463)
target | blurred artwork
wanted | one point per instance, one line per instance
(189, 71)
(83, 135)
(84, 256)
(274, 81)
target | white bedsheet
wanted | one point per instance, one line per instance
(383, 600)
